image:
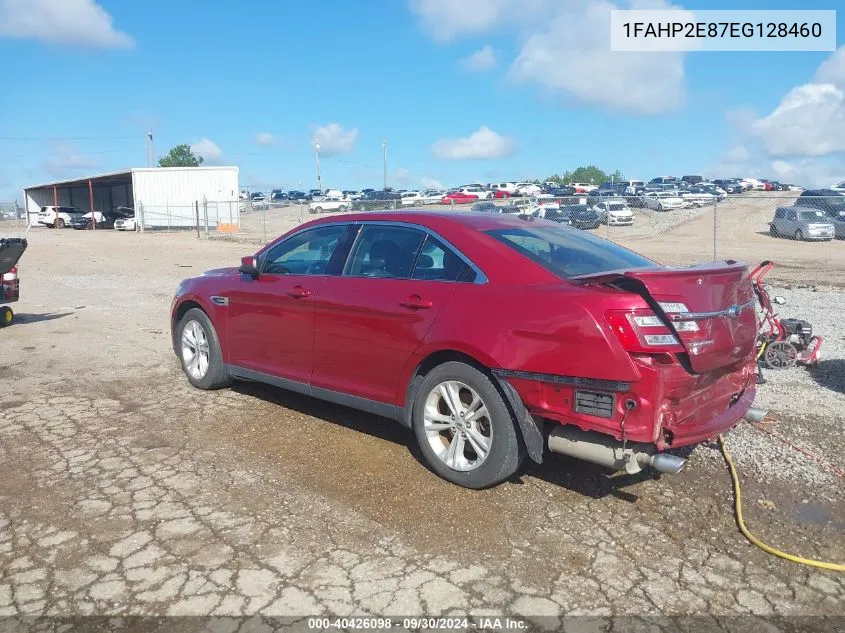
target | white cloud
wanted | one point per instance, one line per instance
(484, 143)
(737, 154)
(565, 49)
(64, 160)
(333, 139)
(809, 121)
(482, 59)
(427, 182)
(832, 70)
(78, 22)
(582, 66)
(402, 177)
(265, 138)
(209, 150)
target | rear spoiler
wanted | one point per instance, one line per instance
(11, 250)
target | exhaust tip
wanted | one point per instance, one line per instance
(755, 415)
(668, 464)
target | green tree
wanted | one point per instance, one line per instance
(589, 174)
(180, 156)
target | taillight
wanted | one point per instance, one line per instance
(642, 331)
(12, 275)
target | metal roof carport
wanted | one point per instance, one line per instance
(95, 193)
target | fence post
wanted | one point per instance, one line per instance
(197, 216)
(264, 223)
(167, 209)
(205, 215)
(139, 219)
(715, 204)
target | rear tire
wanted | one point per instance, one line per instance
(473, 451)
(317, 210)
(799, 235)
(6, 316)
(199, 351)
(60, 224)
(773, 231)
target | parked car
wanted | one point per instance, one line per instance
(594, 365)
(372, 200)
(297, 195)
(58, 217)
(127, 222)
(528, 189)
(562, 191)
(104, 220)
(697, 196)
(277, 195)
(729, 186)
(502, 189)
(432, 196)
(614, 213)
(579, 216)
(663, 180)
(821, 199)
(333, 203)
(315, 194)
(752, 184)
(632, 187)
(258, 196)
(839, 187)
(410, 198)
(351, 194)
(479, 192)
(801, 223)
(582, 187)
(484, 207)
(692, 180)
(663, 200)
(458, 197)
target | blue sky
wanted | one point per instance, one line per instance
(476, 90)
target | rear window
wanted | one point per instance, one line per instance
(569, 253)
(810, 215)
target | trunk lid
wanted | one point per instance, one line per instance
(11, 250)
(710, 308)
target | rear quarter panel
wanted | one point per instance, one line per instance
(547, 330)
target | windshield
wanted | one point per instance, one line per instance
(617, 207)
(569, 253)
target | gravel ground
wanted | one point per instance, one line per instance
(123, 491)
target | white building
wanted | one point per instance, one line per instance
(161, 197)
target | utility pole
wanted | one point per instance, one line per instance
(150, 150)
(384, 152)
(317, 154)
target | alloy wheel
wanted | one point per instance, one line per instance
(457, 425)
(195, 349)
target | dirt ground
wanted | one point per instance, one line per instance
(124, 491)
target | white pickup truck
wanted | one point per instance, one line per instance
(330, 203)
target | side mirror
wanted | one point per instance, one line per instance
(249, 266)
(779, 300)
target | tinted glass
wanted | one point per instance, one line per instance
(568, 253)
(307, 253)
(437, 262)
(385, 251)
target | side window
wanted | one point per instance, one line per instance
(792, 215)
(385, 252)
(307, 253)
(780, 213)
(437, 262)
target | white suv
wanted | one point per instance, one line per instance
(479, 192)
(58, 217)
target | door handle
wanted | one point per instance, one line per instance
(298, 292)
(415, 302)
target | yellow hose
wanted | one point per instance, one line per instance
(741, 523)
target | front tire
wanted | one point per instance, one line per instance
(60, 224)
(464, 429)
(6, 316)
(799, 235)
(200, 353)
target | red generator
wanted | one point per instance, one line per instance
(11, 250)
(782, 343)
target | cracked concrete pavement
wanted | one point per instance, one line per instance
(123, 491)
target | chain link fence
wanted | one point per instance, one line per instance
(12, 216)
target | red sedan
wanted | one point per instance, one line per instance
(458, 197)
(490, 336)
(501, 193)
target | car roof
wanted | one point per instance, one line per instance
(434, 220)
